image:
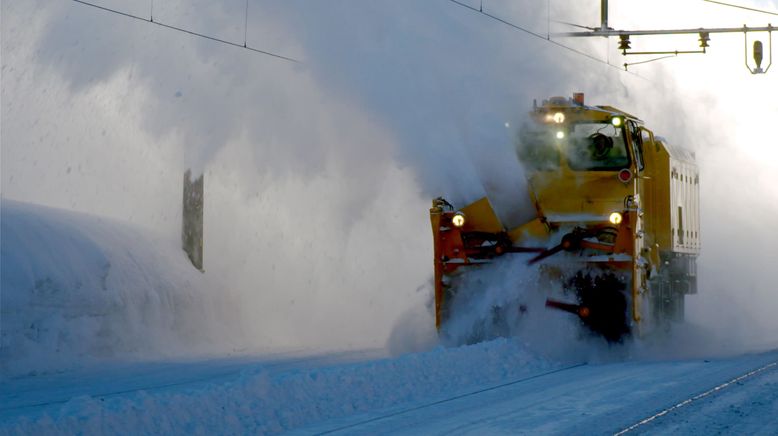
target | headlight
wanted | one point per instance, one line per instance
(458, 220)
(560, 135)
(559, 118)
(615, 218)
(617, 121)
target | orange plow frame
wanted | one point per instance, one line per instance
(452, 252)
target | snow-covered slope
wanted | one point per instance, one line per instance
(78, 287)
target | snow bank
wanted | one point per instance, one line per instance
(260, 401)
(77, 287)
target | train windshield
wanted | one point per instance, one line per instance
(596, 147)
(586, 147)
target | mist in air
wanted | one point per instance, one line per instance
(319, 175)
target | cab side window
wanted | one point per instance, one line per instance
(646, 139)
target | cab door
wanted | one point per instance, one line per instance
(648, 151)
(637, 220)
(647, 183)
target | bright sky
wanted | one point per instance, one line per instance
(752, 100)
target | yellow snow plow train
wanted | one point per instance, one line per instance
(617, 220)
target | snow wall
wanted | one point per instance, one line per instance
(77, 287)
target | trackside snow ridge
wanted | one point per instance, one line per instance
(77, 287)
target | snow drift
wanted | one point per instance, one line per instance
(77, 287)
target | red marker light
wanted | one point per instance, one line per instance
(625, 175)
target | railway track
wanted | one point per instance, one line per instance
(689, 401)
(449, 399)
(603, 398)
(615, 398)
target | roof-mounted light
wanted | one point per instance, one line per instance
(578, 98)
(617, 121)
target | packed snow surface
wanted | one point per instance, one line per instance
(258, 397)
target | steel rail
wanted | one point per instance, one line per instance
(424, 406)
(696, 398)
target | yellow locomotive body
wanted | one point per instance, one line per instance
(617, 220)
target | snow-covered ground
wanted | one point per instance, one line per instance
(106, 329)
(496, 387)
(490, 388)
(592, 399)
(244, 396)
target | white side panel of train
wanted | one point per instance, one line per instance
(684, 206)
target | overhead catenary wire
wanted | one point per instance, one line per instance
(574, 25)
(650, 60)
(494, 17)
(742, 7)
(190, 32)
(545, 38)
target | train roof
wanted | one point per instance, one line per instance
(564, 103)
(677, 152)
(616, 111)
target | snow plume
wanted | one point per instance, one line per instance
(738, 298)
(318, 174)
(507, 298)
